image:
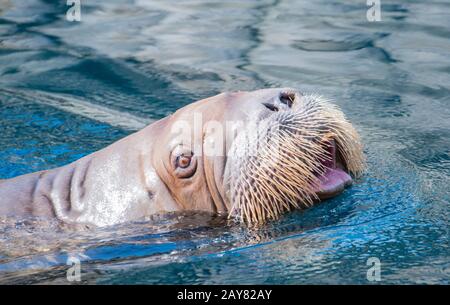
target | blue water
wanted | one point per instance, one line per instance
(70, 88)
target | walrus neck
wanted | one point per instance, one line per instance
(51, 193)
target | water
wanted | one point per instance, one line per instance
(68, 89)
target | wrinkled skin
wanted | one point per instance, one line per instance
(136, 176)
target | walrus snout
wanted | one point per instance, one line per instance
(306, 150)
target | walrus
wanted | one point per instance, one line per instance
(250, 155)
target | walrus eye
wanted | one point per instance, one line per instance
(184, 163)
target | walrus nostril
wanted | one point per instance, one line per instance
(271, 107)
(287, 98)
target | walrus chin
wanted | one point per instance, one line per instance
(305, 153)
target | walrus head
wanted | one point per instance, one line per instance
(255, 155)
(251, 155)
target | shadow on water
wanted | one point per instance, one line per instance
(68, 89)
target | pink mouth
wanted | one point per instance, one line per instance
(335, 178)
